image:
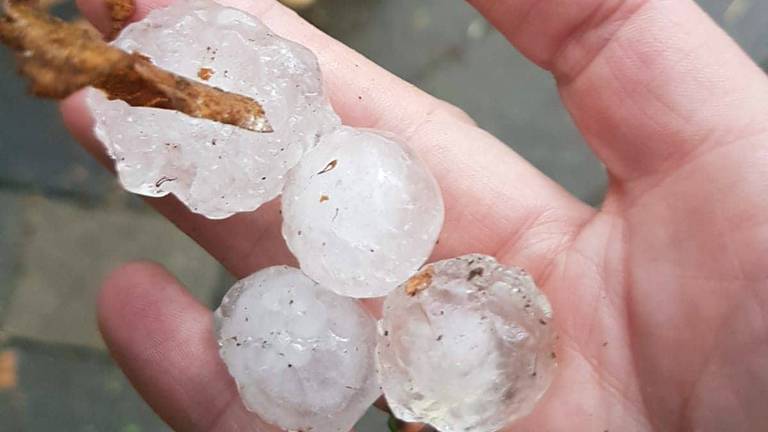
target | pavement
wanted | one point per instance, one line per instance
(64, 221)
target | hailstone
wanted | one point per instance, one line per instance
(466, 345)
(361, 213)
(215, 169)
(301, 355)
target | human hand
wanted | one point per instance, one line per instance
(660, 297)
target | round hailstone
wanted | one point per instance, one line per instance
(215, 169)
(361, 213)
(301, 355)
(466, 345)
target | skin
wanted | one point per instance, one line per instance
(660, 296)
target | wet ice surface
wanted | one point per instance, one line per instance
(466, 345)
(302, 356)
(361, 213)
(215, 169)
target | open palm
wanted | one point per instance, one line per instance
(660, 297)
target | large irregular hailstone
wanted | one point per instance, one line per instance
(361, 213)
(215, 169)
(302, 356)
(466, 345)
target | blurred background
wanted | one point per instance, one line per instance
(64, 221)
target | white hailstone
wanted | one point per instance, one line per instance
(301, 355)
(215, 169)
(466, 345)
(361, 213)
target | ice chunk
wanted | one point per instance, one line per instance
(302, 356)
(466, 345)
(215, 169)
(361, 213)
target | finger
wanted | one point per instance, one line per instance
(494, 199)
(651, 83)
(164, 342)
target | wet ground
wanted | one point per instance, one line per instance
(54, 372)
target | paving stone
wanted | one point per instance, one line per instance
(67, 252)
(59, 388)
(10, 240)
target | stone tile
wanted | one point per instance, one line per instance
(59, 388)
(68, 250)
(10, 241)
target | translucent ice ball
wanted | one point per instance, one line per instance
(361, 212)
(466, 345)
(215, 169)
(301, 355)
